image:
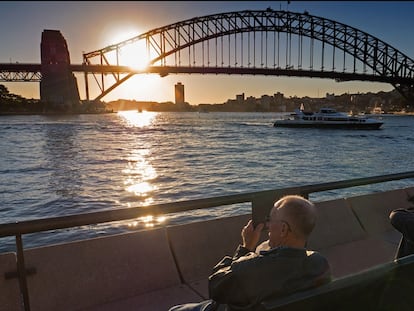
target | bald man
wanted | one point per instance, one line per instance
(286, 266)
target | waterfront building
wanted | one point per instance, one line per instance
(240, 98)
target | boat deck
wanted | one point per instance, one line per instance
(328, 118)
(159, 268)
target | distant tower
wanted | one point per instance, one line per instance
(179, 93)
(240, 98)
(58, 87)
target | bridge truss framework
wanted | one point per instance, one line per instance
(268, 42)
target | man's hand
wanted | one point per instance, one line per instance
(251, 235)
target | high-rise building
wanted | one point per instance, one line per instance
(179, 93)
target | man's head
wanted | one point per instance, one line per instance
(291, 221)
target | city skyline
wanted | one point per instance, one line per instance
(88, 26)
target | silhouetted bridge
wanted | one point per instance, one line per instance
(278, 43)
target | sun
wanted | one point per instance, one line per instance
(142, 85)
(134, 54)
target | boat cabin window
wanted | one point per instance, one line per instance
(327, 110)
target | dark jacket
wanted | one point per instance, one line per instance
(248, 278)
(403, 221)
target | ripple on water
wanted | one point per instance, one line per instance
(68, 165)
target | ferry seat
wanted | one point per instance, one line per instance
(129, 271)
(387, 286)
(336, 224)
(410, 196)
(381, 240)
(373, 210)
(338, 236)
(209, 242)
(10, 299)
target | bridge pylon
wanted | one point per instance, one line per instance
(58, 87)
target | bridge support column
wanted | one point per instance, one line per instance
(58, 88)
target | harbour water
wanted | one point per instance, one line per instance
(63, 165)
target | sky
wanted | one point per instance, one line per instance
(92, 25)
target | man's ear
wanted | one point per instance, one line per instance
(285, 229)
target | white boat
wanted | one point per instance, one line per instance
(328, 118)
(377, 110)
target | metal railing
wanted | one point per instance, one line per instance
(260, 205)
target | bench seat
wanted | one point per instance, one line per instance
(10, 298)
(134, 269)
(387, 286)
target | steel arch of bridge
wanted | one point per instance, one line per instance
(248, 42)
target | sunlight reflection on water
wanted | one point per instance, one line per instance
(139, 172)
(64, 165)
(138, 119)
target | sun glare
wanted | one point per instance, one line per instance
(137, 119)
(134, 54)
(142, 86)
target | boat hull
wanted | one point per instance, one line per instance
(330, 125)
(328, 118)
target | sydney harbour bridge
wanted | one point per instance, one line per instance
(264, 42)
